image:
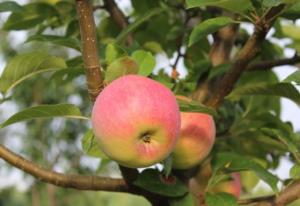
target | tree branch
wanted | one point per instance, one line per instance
(118, 17)
(79, 182)
(247, 53)
(266, 65)
(89, 47)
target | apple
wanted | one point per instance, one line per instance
(136, 121)
(232, 187)
(198, 184)
(197, 136)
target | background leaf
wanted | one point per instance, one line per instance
(10, 6)
(58, 40)
(31, 15)
(45, 111)
(281, 89)
(207, 27)
(138, 22)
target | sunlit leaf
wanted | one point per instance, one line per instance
(90, 145)
(294, 77)
(145, 60)
(24, 66)
(120, 67)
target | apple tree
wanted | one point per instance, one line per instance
(216, 57)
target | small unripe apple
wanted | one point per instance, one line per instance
(232, 187)
(136, 121)
(198, 184)
(197, 136)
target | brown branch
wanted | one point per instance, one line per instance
(89, 47)
(79, 182)
(266, 65)
(118, 17)
(289, 194)
(247, 53)
(285, 197)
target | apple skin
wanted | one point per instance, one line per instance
(232, 187)
(136, 121)
(197, 136)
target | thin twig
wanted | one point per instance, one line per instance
(269, 64)
(118, 17)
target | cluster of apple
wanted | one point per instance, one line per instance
(138, 123)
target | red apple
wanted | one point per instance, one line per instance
(136, 121)
(197, 136)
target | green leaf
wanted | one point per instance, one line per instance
(145, 60)
(286, 139)
(237, 6)
(58, 40)
(193, 106)
(153, 181)
(31, 15)
(295, 172)
(24, 66)
(207, 27)
(220, 199)
(271, 3)
(167, 163)
(91, 147)
(294, 77)
(10, 6)
(121, 67)
(138, 22)
(280, 89)
(186, 200)
(235, 162)
(153, 46)
(45, 111)
(113, 52)
(291, 31)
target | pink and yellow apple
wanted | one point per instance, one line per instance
(136, 121)
(197, 136)
(232, 187)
